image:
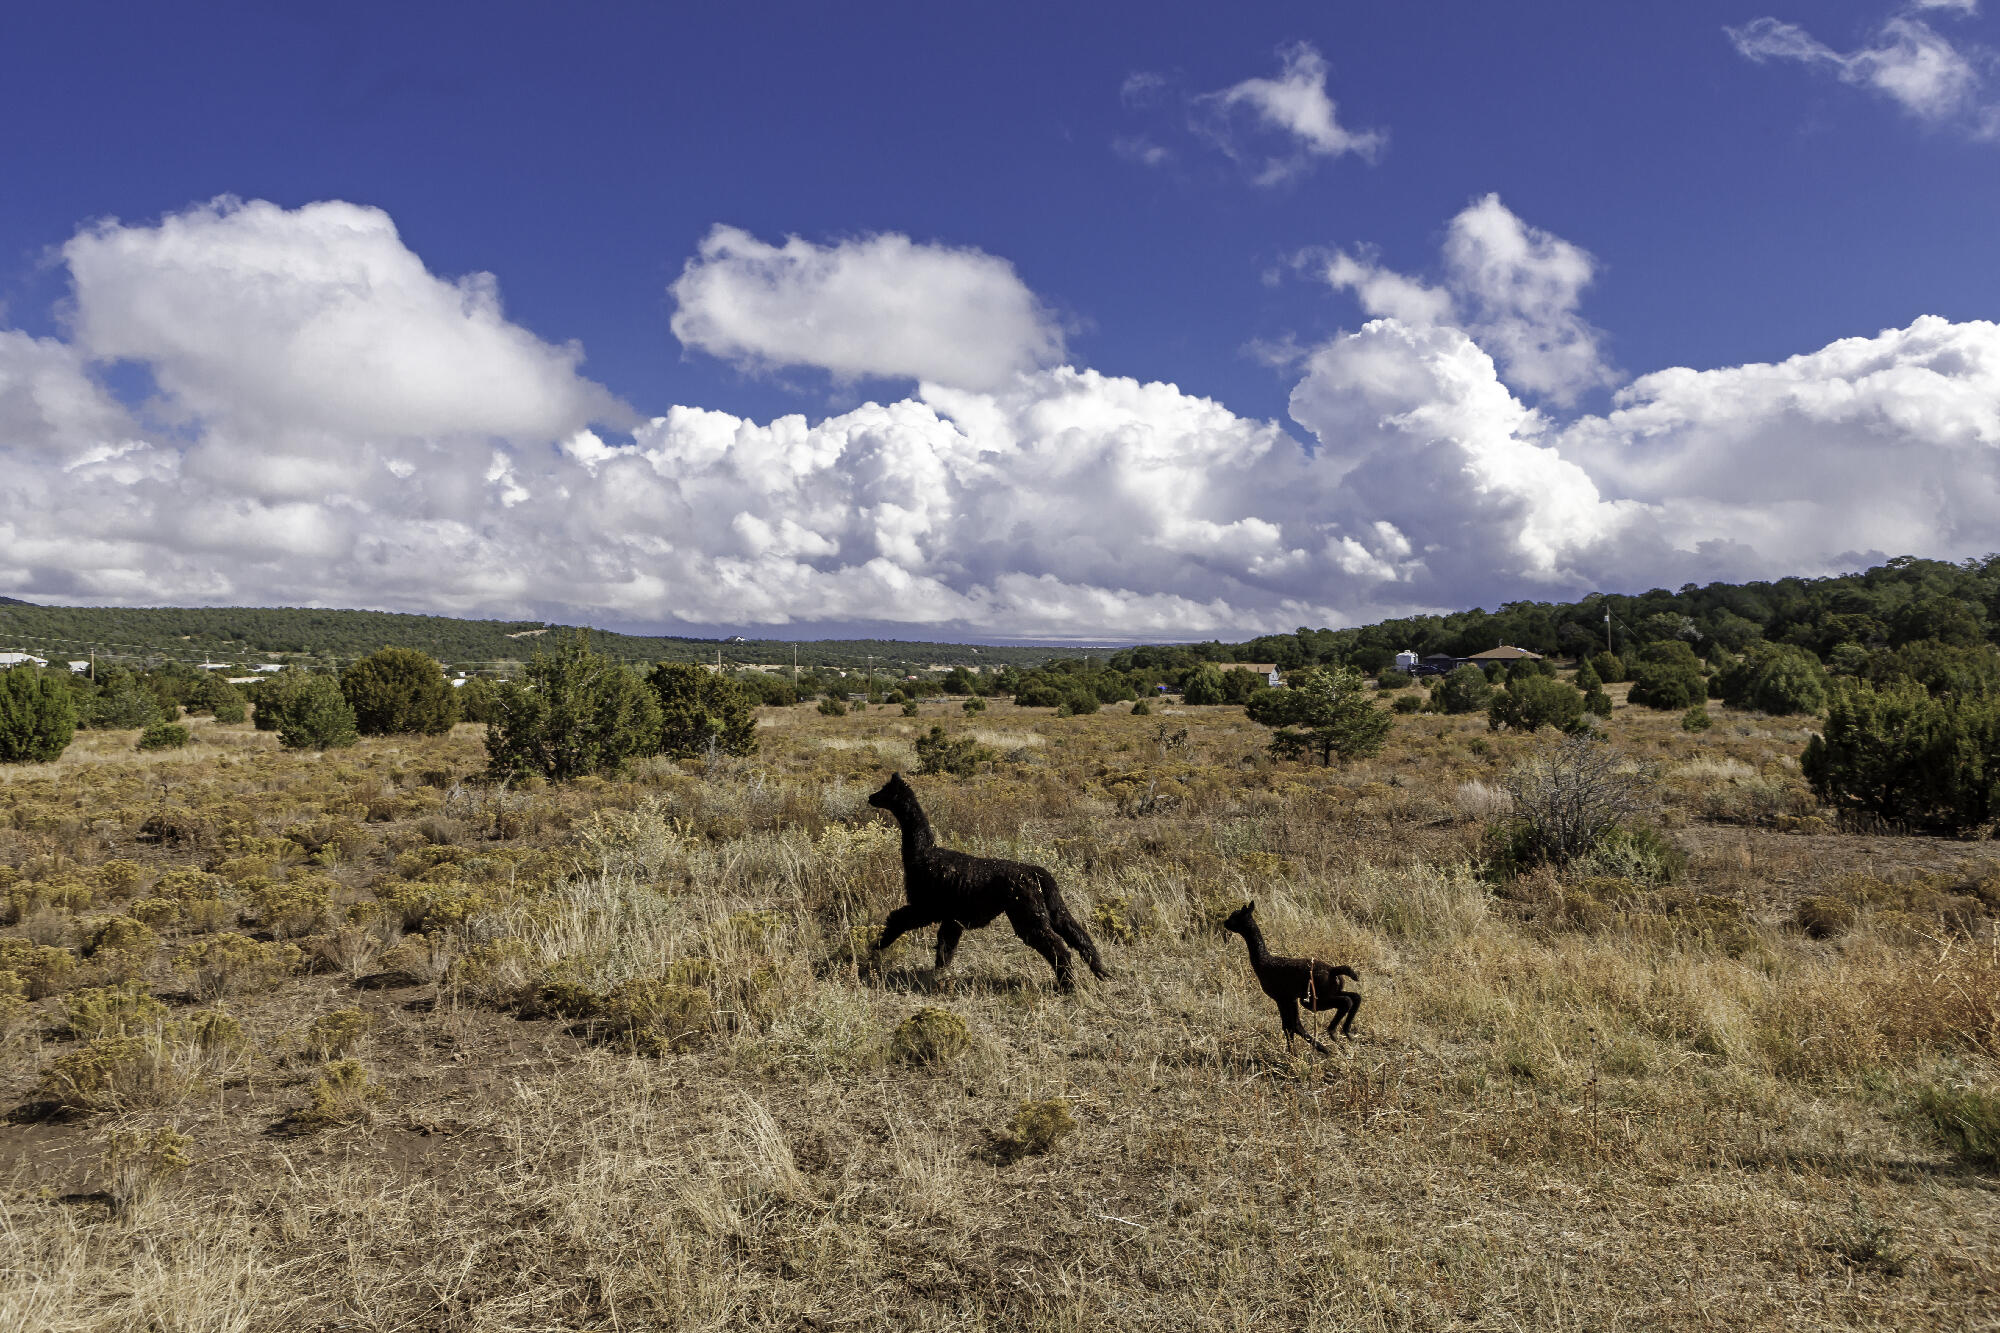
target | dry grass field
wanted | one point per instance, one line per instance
(349, 1042)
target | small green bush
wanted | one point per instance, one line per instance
(1390, 679)
(163, 736)
(1139, 709)
(930, 1037)
(1407, 703)
(1967, 1119)
(1775, 678)
(308, 712)
(959, 756)
(1695, 719)
(832, 707)
(655, 1015)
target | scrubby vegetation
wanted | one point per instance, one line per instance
(1656, 1033)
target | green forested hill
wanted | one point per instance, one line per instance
(244, 634)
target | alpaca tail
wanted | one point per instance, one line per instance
(1067, 926)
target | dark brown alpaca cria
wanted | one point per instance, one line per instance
(1297, 981)
(956, 892)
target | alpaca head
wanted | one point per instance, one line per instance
(895, 794)
(1241, 919)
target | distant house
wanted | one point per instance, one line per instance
(78, 668)
(18, 659)
(1268, 670)
(269, 666)
(1505, 653)
(215, 666)
(1406, 660)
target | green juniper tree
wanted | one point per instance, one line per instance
(575, 713)
(700, 708)
(400, 690)
(37, 716)
(1326, 711)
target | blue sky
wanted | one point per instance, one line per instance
(1007, 229)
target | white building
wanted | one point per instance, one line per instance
(1406, 660)
(17, 659)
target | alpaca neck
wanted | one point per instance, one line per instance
(917, 835)
(1254, 938)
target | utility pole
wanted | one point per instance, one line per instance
(1607, 632)
(795, 668)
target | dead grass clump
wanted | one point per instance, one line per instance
(1823, 917)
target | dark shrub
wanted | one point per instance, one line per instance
(939, 753)
(397, 691)
(308, 712)
(575, 713)
(1901, 754)
(1326, 711)
(37, 716)
(1464, 690)
(700, 708)
(163, 736)
(1610, 668)
(1668, 677)
(1775, 678)
(1533, 702)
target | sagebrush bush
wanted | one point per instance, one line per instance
(1566, 798)
(336, 1035)
(138, 1165)
(930, 1037)
(1038, 1127)
(111, 1011)
(343, 1094)
(109, 1073)
(229, 963)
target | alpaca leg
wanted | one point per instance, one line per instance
(900, 923)
(1344, 1020)
(1034, 929)
(947, 943)
(1288, 1015)
(1070, 928)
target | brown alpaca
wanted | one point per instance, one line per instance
(1292, 982)
(957, 892)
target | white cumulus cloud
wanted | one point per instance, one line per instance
(882, 306)
(1514, 287)
(282, 464)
